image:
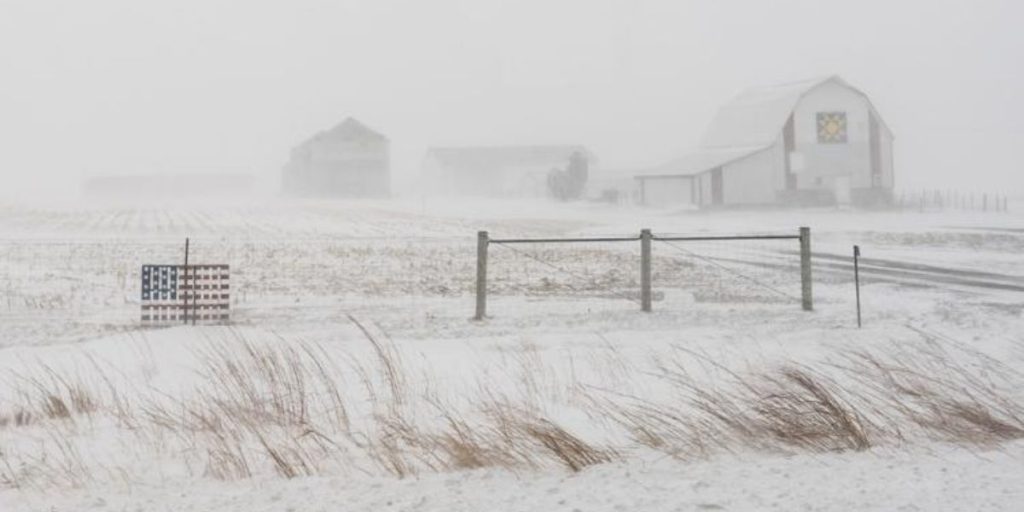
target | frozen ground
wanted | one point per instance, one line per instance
(564, 330)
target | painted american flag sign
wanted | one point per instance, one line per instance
(174, 294)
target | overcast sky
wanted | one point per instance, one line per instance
(129, 86)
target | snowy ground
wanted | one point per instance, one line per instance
(949, 480)
(564, 328)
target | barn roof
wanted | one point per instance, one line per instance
(491, 156)
(351, 128)
(750, 123)
(700, 161)
(755, 117)
(347, 130)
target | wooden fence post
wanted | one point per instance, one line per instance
(482, 241)
(807, 298)
(645, 270)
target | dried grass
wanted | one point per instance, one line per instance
(285, 408)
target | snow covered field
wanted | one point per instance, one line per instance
(353, 378)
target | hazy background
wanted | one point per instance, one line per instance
(130, 87)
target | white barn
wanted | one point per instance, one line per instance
(815, 142)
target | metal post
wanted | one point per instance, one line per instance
(184, 277)
(805, 269)
(482, 240)
(856, 278)
(645, 270)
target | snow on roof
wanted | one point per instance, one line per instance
(700, 161)
(757, 115)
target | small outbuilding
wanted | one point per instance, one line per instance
(349, 160)
(498, 171)
(816, 142)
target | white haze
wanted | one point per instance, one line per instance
(127, 87)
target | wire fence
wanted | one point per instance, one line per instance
(736, 271)
(941, 200)
(602, 270)
(737, 268)
(93, 275)
(82, 286)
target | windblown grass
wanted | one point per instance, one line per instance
(297, 409)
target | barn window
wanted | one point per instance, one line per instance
(831, 127)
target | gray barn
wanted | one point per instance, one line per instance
(349, 160)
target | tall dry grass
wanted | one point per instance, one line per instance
(297, 409)
(943, 390)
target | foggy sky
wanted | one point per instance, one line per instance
(126, 86)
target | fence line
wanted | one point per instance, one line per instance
(724, 238)
(953, 200)
(645, 238)
(737, 273)
(555, 267)
(561, 240)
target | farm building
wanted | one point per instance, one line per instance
(815, 142)
(349, 160)
(497, 171)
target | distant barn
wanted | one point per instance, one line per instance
(816, 142)
(349, 160)
(496, 171)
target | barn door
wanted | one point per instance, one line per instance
(716, 186)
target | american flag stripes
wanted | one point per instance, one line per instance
(179, 294)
